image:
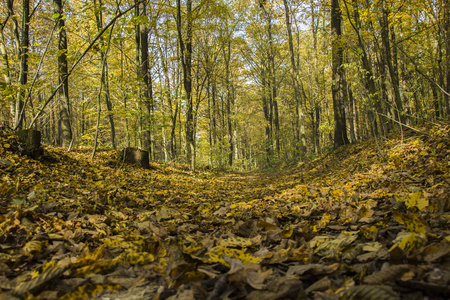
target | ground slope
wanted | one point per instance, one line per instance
(367, 221)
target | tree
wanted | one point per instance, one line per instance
(144, 76)
(390, 61)
(98, 8)
(339, 85)
(447, 47)
(299, 119)
(185, 44)
(23, 57)
(65, 129)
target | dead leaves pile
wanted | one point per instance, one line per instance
(356, 224)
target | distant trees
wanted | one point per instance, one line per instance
(241, 84)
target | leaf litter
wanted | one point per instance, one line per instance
(353, 224)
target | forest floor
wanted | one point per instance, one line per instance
(362, 222)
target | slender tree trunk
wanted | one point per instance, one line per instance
(23, 56)
(104, 71)
(273, 85)
(267, 115)
(399, 113)
(186, 61)
(227, 57)
(339, 82)
(300, 119)
(5, 60)
(124, 94)
(316, 105)
(64, 115)
(167, 92)
(447, 48)
(144, 77)
(351, 116)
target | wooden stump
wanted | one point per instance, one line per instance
(30, 140)
(137, 157)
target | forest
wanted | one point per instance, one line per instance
(232, 85)
(293, 149)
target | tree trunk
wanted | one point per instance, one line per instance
(5, 60)
(227, 57)
(124, 94)
(339, 82)
(104, 72)
(144, 77)
(273, 84)
(65, 129)
(23, 56)
(186, 61)
(300, 139)
(399, 113)
(369, 81)
(447, 47)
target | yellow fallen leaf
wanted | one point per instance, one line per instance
(218, 253)
(412, 223)
(409, 241)
(417, 200)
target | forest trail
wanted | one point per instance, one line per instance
(358, 223)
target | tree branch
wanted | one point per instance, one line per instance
(79, 60)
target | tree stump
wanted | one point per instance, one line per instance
(30, 140)
(137, 157)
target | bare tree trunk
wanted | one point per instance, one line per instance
(273, 85)
(369, 81)
(339, 82)
(5, 60)
(65, 129)
(104, 71)
(300, 119)
(144, 77)
(124, 95)
(390, 63)
(267, 114)
(447, 48)
(227, 57)
(186, 61)
(23, 57)
(173, 114)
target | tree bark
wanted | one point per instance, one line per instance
(65, 130)
(399, 113)
(339, 82)
(300, 119)
(104, 72)
(144, 76)
(227, 57)
(447, 47)
(186, 61)
(23, 57)
(273, 85)
(5, 60)
(373, 95)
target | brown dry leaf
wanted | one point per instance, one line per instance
(387, 275)
(280, 288)
(50, 274)
(322, 284)
(250, 274)
(312, 269)
(435, 251)
(369, 292)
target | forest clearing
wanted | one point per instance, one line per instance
(357, 223)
